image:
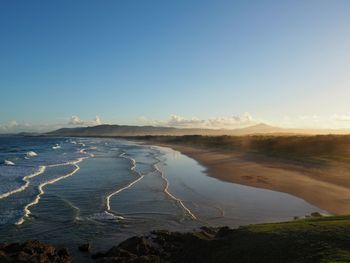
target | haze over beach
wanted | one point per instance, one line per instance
(184, 131)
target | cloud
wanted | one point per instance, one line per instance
(342, 118)
(76, 120)
(230, 122)
(14, 126)
(178, 121)
(335, 121)
(98, 120)
(10, 126)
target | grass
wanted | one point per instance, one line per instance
(310, 240)
(325, 239)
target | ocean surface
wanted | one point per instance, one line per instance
(69, 191)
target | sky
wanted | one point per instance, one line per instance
(178, 63)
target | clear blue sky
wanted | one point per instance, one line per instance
(122, 60)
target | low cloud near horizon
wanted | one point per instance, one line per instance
(76, 120)
(14, 126)
(231, 122)
(335, 121)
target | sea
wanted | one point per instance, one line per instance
(71, 191)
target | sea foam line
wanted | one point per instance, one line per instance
(41, 190)
(177, 200)
(108, 198)
(83, 151)
(41, 170)
(27, 183)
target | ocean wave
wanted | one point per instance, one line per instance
(74, 207)
(166, 191)
(105, 216)
(31, 154)
(26, 209)
(27, 183)
(140, 177)
(83, 151)
(7, 162)
(56, 146)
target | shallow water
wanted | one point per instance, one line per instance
(105, 190)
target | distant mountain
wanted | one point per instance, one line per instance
(260, 128)
(127, 130)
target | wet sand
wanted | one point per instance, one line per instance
(325, 187)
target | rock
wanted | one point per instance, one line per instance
(316, 214)
(224, 232)
(135, 249)
(32, 252)
(138, 246)
(165, 246)
(85, 247)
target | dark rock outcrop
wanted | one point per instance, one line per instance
(32, 252)
(85, 247)
(161, 247)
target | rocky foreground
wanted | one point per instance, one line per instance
(322, 239)
(312, 240)
(32, 252)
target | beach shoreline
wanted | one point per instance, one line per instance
(327, 189)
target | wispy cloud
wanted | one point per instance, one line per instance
(342, 118)
(14, 126)
(214, 123)
(77, 121)
(335, 121)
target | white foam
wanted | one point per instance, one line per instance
(77, 209)
(7, 162)
(113, 215)
(105, 216)
(41, 190)
(56, 146)
(108, 198)
(83, 151)
(177, 200)
(31, 154)
(27, 183)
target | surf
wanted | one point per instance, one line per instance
(166, 188)
(140, 177)
(31, 154)
(177, 200)
(7, 162)
(25, 179)
(26, 209)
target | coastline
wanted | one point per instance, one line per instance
(315, 237)
(324, 188)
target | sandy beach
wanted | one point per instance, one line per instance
(327, 188)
